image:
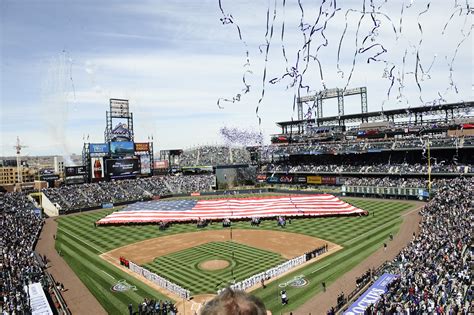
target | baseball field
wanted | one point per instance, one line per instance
(202, 260)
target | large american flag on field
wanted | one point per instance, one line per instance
(232, 208)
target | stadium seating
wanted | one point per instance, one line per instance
(361, 146)
(435, 269)
(214, 155)
(19, 230)
(88, 196)
(384, 168)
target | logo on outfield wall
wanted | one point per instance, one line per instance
(296, 282)
(123, 286)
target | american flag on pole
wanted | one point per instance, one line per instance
(232, 208)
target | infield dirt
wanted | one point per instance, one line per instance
(289, 245)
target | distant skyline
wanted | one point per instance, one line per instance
(61, 61)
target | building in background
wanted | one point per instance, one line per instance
(9, 174)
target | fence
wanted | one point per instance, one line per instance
(266, 275)
(160, 281)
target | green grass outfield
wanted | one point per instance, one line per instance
(80, 244)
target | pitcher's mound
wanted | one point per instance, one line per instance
(215, 264)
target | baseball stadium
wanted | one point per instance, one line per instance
(305, 232)
(352, 213)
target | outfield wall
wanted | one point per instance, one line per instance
(384, 192)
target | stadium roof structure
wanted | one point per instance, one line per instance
(450, 111)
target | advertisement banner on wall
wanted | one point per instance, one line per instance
(74, 171)
(143, 146)
(37, 299)
(261, 178)
(145, 167)
(70, 171)
(98, 149)
(97, 168)
(286, 179)
(314, 180)
(49, 177)
(300, 179)
(328, 180)
(160, 164)
(122, 168)
(273, 179)
(372, 295)
(122, 148)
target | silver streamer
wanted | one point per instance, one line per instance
(366, 44)
(229, 19)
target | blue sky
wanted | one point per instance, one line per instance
(62, 60)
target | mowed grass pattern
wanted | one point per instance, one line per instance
(81, 244)
(183, 267)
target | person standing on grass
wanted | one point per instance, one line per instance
(284, 297)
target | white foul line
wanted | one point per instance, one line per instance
(320, 268)
(81, 240)
(108, 274)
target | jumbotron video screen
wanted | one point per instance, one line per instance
(234, 176)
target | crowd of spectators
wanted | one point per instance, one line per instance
(364, 279)
(398, 182)
(385, 168)
(435, 268)
(361, 146)
(19, 230)
(154, 307)
(468, 142)
(86, 196)
(214, 155)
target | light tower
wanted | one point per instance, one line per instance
(18, 148)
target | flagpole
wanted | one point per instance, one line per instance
(429, 166)
(231, 242)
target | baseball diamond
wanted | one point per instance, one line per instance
(249, 252)
(81, 243)
(182, 267)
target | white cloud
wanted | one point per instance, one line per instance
(173, 60)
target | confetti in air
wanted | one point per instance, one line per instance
(328, 43)
(238, 136)
(229, 19)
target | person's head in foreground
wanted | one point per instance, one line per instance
(231, 302)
